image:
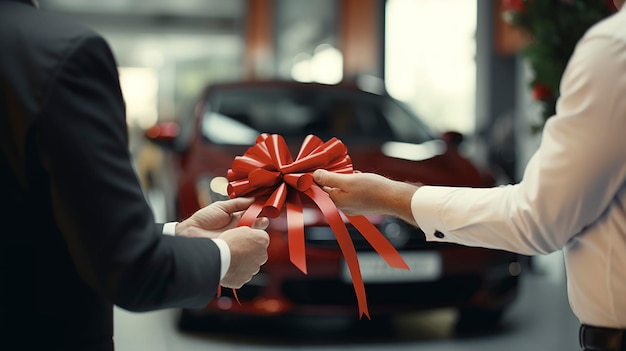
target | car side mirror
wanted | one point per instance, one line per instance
(452, 138)
(163, 134)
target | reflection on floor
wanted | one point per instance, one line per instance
(540, 320)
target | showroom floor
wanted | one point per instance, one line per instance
(539, 320)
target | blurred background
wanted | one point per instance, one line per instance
(455, 63)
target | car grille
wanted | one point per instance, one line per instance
(335, 292)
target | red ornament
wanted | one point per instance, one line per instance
(513, 5)
(268, 172)
(541, 92)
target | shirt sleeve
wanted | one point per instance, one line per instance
(170, 229)
(568, 183)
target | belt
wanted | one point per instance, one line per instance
(601, 339)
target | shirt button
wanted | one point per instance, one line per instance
(439, 235)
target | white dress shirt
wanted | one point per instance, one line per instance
(170, 229)
(573, 192)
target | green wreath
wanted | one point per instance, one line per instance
(553, 27)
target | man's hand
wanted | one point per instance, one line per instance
(248, 252)
(368, 193)
(247, 246)
(219, 216)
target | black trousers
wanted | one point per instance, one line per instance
(601, 339)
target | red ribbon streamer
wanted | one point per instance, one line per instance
(268, 172)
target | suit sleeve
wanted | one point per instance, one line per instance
(98, 202)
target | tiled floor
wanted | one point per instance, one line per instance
(540, 320)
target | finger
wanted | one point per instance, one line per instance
(327, 189)
(236, 204)
(234, 221)
(332, 192)
(236, 216)
(194, 232)
(261, 223)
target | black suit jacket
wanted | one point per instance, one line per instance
(76, 233)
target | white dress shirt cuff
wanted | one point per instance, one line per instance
(170, 229)
(426, 209)
(224, 255)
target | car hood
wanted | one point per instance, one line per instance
(432, 163)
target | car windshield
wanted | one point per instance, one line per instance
(238, 116)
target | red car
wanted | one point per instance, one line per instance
(382, 136)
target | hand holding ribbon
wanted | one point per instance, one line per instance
(268, 172)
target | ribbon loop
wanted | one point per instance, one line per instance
(299, 181)
(261, 178)
(275, 202)
(246, 164)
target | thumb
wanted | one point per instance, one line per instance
(327, 179)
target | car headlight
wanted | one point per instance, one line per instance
(396, 231)
(210, 189)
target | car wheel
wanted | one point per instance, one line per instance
(478, 320)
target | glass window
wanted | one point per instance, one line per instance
(430, 60)
(352, 116)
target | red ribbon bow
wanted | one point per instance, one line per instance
(268, 173)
